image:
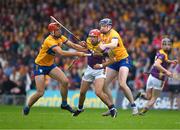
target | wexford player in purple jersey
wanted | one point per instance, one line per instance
(96, 76)
(158, 75)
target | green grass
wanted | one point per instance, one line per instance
(54, 118)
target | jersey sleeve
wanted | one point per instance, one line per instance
(115, 35)
(161, 57)
(64, 39)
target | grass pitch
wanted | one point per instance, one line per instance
(54, 118)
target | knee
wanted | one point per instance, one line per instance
(65, 82)
(153, 99)
(149, 97)
(122, 84)
(98, 93)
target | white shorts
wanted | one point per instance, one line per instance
(154, 83)
(91, 74)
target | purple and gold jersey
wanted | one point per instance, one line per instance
(92, 60)
(46, 54)
(164, 58)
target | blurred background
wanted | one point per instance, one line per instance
(140, 23)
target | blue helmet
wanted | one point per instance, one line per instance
(105, 21)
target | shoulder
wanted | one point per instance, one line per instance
(161, 55)
(48, 39)
(162, 52)
(63, 37)
(114, 33)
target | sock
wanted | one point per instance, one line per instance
(80, 107)
(111, 106)
(64, 103)
(27, 106)
(133, 105)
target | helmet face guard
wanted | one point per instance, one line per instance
(166, 41)
(94, 35)
(166, 44)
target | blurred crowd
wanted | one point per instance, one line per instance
(141, 24)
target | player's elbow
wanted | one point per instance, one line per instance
(58, 50)
(63, 53)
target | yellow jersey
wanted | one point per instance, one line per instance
(46, 54)
(90, 46)
(119, 51)
(92, 60)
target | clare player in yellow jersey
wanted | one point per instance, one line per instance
(120, 68)
(44, 65)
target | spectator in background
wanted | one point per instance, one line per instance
(75, 79)
(1, 80)
(24, 80)
(8, 69)
(173, 84)
(140, 81)
(9, 87)
(15, 75)
(143, 62)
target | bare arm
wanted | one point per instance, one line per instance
(59, 51)
(173, 61)
(111, 45)
(76, 46)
